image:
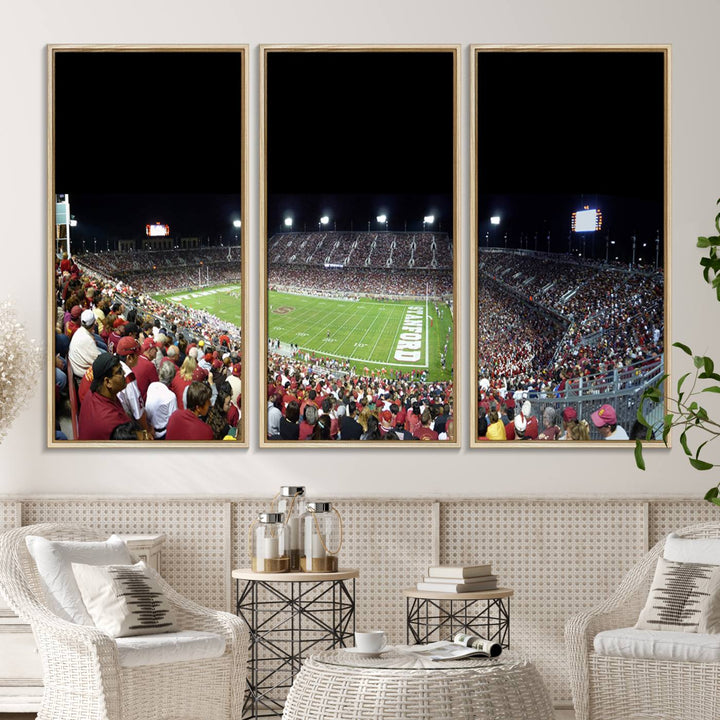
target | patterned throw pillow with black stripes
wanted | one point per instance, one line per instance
(124, 600)
(684, 597)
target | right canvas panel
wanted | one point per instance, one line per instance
(570, 246)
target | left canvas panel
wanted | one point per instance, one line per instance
(147, 202)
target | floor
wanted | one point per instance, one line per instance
(559, 715)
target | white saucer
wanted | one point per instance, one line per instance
(359, 653)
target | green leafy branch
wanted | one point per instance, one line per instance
(685, 411)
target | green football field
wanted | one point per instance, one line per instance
(397, 335)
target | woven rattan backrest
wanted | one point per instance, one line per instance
(19, 580)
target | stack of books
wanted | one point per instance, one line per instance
(458, 579)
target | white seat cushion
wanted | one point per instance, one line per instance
(658, 645)
(169, 648)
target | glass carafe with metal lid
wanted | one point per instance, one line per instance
(292, 503)
(269, 547)
(322, 537)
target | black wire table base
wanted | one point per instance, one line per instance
(288, 620)
(430, 620)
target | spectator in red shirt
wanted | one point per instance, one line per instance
(101, 411)
(188, 424)
(145, 370)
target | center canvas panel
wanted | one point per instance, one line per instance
(360, 244)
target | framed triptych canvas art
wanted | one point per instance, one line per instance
(359, 242)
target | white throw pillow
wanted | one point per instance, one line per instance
(54, 558)
(692, 550)
(684, 597)
(124, 600)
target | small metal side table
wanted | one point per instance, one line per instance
(290, 615)
(441, 615)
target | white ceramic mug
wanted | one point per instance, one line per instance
(372, 641)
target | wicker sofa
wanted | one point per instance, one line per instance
(83, 675)
(618, 688)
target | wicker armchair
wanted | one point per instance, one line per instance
(81, 671)
(614, 688)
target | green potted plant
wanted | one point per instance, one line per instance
(685, 410)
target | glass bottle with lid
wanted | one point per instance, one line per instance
(322, 537)
(269, 550)
(291, 502)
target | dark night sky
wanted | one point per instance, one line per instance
(146, 136)
(560, 130)
(357, 134)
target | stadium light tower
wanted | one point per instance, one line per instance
(383, 219)
(324, 220)
(237, 223)
(428, 220)
(495, 220)
(288, 223)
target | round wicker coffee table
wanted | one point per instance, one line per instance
(341, 685)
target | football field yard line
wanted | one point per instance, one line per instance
(350, 335)
(322, 327)
(394, 342)
(427, 331)
(349, 338)
(368, 329)
(349, 325)
(380, 334)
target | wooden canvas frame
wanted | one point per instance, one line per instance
(333, 52)
(571, 52)
(177, 114)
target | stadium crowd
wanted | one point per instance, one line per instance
(555, 327)
(153, 271)
(144, 368)
(396, 250)
(313, 398)
(354, 282)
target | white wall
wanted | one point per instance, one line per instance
(27, 467)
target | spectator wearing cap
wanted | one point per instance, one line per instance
(531, 428)
(128, 350)
(83, 348)
(161, 402)
(189, 424)
(386, 422)
(235, 383)
(569, 418)
(101, 411)
(145, 370)
(72, 323)
(203, 376)
(605, 420)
